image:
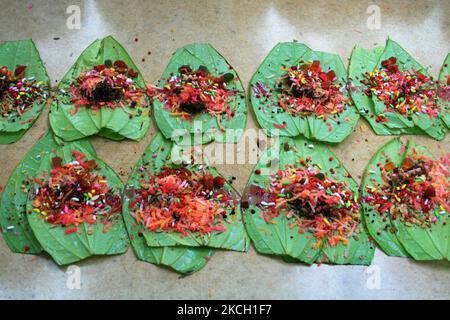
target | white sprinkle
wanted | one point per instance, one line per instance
(268, 204)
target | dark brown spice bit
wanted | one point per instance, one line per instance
(57, 162)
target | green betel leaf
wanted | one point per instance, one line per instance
(383, 121)
(185, 260)
(444, 91)
(163, 153)
(362, 61)
(264, 79)
(88, 239)
(279, 236)
(432, 127)
(394, 235)
(113, 123)
(14, 54)
(203, 127)
(382, 231)
(13, 219)
(265, 96)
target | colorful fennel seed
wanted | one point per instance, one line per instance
(412, 191)
(302, 204)
(24, 86)
(13, 214)
(74, 204)
(191, 92)
(406, 92)
(106, 86)
(175, 199)
(199, 98)
(103, 94)
(183, 200)
(394, 93)
(313, 202)
(298, 91)
(183, 259)
(307, 90)
(75, 194)
(18, 93)
(406, 201)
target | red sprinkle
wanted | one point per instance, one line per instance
(70, 230)
(280, 126)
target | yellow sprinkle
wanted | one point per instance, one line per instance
(327, 222)
(36, 210)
